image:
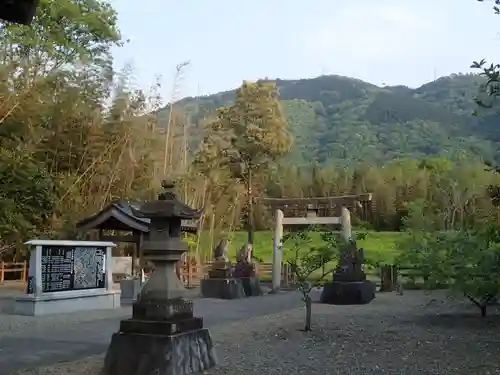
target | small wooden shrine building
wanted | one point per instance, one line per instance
(118, 216)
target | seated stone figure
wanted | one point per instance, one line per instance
(221, 266)
(220, 252)
(246, 271)
(244, 263)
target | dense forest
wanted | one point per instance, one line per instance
(346, 121)
(75, 135)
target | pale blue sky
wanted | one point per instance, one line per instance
(380, 41)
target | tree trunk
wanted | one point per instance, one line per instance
(250, 228)
(308, 301)
(482, 305)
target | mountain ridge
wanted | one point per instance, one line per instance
(346, 120)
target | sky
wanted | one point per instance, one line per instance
(384, 42)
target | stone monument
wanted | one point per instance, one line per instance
(245, 270)
(349, 285)
(68, 276)
(162, 337)
(220, 282)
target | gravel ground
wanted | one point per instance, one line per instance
(410, 334)
(10, 324)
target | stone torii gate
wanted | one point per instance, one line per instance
(303, 212)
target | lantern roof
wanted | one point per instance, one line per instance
(167, 206)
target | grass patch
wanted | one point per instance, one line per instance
(378, 246)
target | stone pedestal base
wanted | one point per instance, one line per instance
(146, 354)
(66, 302)
(243, 269)
(220, 270)
(222, 288)
(348, 293)
(219, 274)
(251, 286)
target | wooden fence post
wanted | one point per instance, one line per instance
(395, 275)
(190, 271)
(386, 278)
(284, 275)
(24, 275)
(288, 276)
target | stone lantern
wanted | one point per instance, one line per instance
(162, 337)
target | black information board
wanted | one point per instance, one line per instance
(72, 268)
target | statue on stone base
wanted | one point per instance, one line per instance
(220, 282)
(350, 266)
(245, 266)
(221, 266)
(246, 270)
(349, 284)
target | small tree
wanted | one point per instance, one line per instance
(305, 260)
(474, 259)
(250, 135)
(467, 261)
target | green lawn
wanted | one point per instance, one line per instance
(378, 246)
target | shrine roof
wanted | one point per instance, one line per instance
(119, 215)
(167, 208)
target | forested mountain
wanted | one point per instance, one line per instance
(346, 120)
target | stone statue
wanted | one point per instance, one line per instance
(220, 252)
(349, 285)
(244, 263)
(221, 266)
(228, 282)
(246, 270)
(245, 254)
(350, 263)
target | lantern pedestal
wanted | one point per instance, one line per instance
(163, 337)
(146, 354)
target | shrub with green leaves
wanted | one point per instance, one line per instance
(467, 261)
